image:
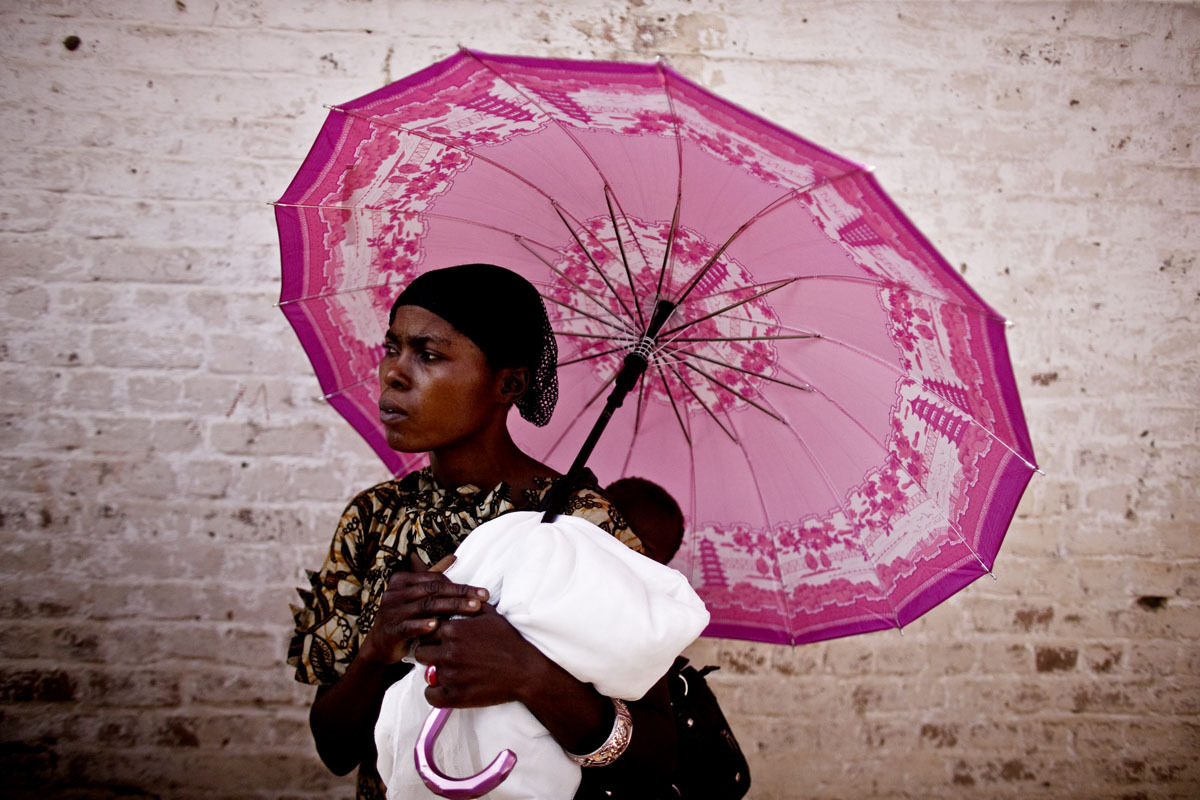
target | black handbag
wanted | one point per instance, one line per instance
(711, 764)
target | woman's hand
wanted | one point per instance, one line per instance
(415, 604)
(481, 660)
(343, 715)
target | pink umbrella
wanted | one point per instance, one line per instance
(830, 402)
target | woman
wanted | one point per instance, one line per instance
(464, 345)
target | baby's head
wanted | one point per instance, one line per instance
(652, 513)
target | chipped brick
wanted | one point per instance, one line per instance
(1056, 659)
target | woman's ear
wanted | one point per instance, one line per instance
(513, 383)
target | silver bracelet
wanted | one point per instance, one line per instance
(615, 744)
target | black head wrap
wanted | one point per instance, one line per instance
(503, 315)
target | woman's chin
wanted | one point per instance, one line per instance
(404, 444)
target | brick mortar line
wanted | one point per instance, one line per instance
(221, 667)
(1163, 161)
(945, 199)
(190, 287)
(182, 752)
(284, 585)
(1051, 74)
(939, 199)
(234, 711)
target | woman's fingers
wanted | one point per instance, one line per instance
(481, 660)
(413, 585)
(442, 565)
(426, 595)
(414, 604)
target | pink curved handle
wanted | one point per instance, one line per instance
(456, 788)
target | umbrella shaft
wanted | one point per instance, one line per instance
(632, 367)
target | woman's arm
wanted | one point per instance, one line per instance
(576, 712)
(343, 715)
(483, 661)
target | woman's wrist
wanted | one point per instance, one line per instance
(577, 715)
(616, 743)
(540, 674)
(370, 652)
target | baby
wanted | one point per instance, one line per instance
(608, 615)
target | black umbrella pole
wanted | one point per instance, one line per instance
(632, 367)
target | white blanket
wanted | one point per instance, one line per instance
(609, 616)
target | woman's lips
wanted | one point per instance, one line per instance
(389, 414)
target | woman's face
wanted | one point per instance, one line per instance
(436, 388)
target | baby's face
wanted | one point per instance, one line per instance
(659, 529)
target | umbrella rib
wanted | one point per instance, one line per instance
(703, 405)
(662, 376)
(557, 122)
(806, 333)
(767, 524)
(608, 198)
(428, 214)
(901, 287)
(473, 154)
(337, 292)
(749, 285)
(637, 424)
(778, 203)
(610, 325)
(580, 359)
(562, 214)
(883, 362)
(603, 276)
(691, 322)
(668, 264)
(921, 382)
(444, 143)
(882, 284)
(566, 132)
(770, 207)
(521, 240)
(668, 251)
(728, 388)
(343, 389)
(586, 335)
(680, 352)
(763, 338)
(633, 235)
(845, 511)
(949, 522)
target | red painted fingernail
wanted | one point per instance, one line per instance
(431, 675)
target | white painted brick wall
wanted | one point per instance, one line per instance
(167, 469)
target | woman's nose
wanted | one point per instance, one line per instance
(393, 372)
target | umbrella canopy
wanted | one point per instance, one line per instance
(829, 401)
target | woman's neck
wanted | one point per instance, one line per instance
(486, 465)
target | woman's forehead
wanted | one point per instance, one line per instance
(414, 323)
(412, 318)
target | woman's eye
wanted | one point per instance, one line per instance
(426, 355)
(390, 348)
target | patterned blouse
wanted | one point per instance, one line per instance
(375, 536)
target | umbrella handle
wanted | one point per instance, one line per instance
(456, 788)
